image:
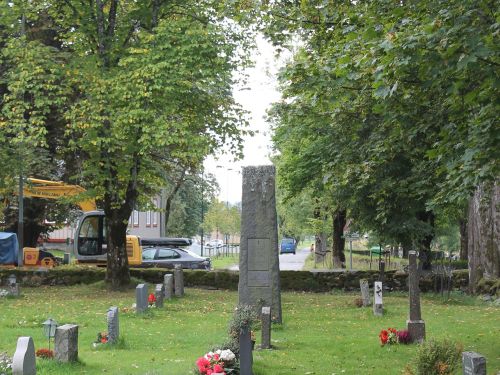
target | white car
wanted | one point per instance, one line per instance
(216, 243)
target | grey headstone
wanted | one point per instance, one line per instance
(141, 298)
(66, 343)
(416, 326)
(179, 280)
(259, 282)
(378, 306)
(266, 328)
(24, 360)
(113, 325)
(159, 294)
(365, 292)
(168, 282)
(13, 286)
(473, 364)
(67, 258)
(246, 356)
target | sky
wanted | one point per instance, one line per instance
(261, 93)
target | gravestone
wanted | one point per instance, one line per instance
(24, 360)
(266, 328)
(416, 326)
(113, 325)
(259, 282)
(365, 292)
(66, 343)
(13, 286)
(378, 307)
(67, 258)
(168, 282)
(179, 280)
(159, 295)
(473, 364)
(246, 356)
(141, 298)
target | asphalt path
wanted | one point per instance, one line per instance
(289, 262)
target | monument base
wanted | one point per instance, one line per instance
(416, 329)
(378, 309)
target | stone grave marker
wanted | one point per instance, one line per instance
(246, 356)
(13, 286)
(365, 292)
(113, 325)
(473, 364)
(266, 328)
(179, 280)
(159, 295)
(141, 298)
(24, 360)
(168, 282)
(67, 258)
(416, 326)
(66, 343)
(378, 307)
(259, 282)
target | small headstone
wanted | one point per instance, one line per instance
(473, 364)
(67, 258)
(259, 281)
(113, 325)
(266, 328)
(179, 280)
(24, 360)
(168, 282)
(365, 292)
(378, 307)
(66, 343)
(416, 326)
(141, 298)
(246, 356)
(13, 286)
(159, 294)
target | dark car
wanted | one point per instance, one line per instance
(288, 245)
(166, 253)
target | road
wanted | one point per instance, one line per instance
(289, 262)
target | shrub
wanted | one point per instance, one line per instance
(5, 364)
(436, 357)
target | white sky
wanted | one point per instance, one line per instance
(256, 99)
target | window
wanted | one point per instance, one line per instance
(155, 212)
(135, 216)
(168, 254)
(148, 218)
(148, 254)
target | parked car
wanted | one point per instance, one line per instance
(288, 245)
(168, 252)
(216, 243)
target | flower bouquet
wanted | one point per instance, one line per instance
(151, 299)
(220, 362)
(44, 353)
(392, 336)
(102, 338)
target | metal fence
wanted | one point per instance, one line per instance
(226, 250)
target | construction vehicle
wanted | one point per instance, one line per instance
(89, 244)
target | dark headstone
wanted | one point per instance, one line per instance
(168, 283)
(246, 356)
(141, 298)
(66, 343)
(67, 258)
(473, 364)
(113, 325)
(259, 282)
(24, 360)
(178, 280)
(266, 328)
(365, 292)
(416, 326)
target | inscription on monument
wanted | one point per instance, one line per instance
(259, 278)
(259, 248)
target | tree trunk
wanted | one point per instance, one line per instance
(319, 248)
(483, 232)
(117, 273)
(339, 222)
(424, 245)
(170, 198)
(463, 239)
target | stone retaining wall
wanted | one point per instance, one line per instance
(309, 281)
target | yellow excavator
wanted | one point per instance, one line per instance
(89, 245)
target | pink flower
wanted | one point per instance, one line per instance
(203, 365)
(218, 369)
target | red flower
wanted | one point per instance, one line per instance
(104, 340)
(218, 369)
(384, 336)
(151, 299)
(216, 357)
(203, 365)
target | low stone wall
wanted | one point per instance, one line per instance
(308, 281)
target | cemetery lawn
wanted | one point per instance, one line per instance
(322, 333)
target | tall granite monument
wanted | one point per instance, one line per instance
(259, 283)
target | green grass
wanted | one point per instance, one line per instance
(321, 333)
(223, 263)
